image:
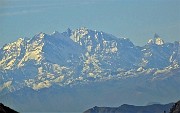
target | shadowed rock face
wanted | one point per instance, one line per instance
(4, 109)
(176, 108)
(156, 108)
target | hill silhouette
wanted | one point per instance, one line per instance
(5, 109)
(175, 108)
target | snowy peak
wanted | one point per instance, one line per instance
(150, 41)
(78, 34)
(85, 36)
(157, 40)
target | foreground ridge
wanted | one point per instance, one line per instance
(125, 108)
(4, 109)
(175, 108)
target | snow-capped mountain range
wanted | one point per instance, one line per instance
(81, 68)
(81, 56)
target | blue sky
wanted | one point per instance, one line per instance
(137, 20)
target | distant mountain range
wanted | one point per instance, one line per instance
(88, 65)
(155, 108)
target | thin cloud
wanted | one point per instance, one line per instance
(20, 12)
(36, 8)
(48, 4)
(28, 6)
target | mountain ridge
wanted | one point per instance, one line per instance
(125, 108)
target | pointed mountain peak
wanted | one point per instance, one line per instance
(157, 40)
(69, 31)
(156, 36)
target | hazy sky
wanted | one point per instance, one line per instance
(137, 20)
